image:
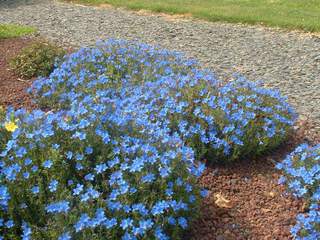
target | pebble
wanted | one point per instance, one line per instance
(288, 60)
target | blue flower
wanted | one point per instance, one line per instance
(69, 155)
(9, 224)
(89, 150)
(58, 207)
(126, 223)
(159, 208)
(89, 177)
(65, 236)
(160, 235)
(100, 168)
(78, 189)
(82, 223)
(110, 223)
(183, 222)
(27, 161)
(53, 185)
(79, 157)
(34, 169)
(35, 190)
(26, 235)
(204, 193)
(47, 164)
(79, 135)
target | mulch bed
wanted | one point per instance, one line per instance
(259, 208)
(12, 88)
(253, 205)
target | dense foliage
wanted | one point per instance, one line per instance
(38, 59)
(114, 158)
(302, 176)
(4, 135)
(111, 64)
(88, 173)
(219, 121)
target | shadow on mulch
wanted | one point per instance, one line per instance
(12, 88)
(259, 209)
(17, 3)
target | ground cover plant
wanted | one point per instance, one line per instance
(111, 64)
(38, 59)
(88, 173)
(292, 14)
(3, 132)
(219, 121)
(302, 177)
(116, 151)
(11, 30)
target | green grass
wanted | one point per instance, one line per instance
(10, 30)
(291, 14)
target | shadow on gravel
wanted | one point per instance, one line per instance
(17, 3)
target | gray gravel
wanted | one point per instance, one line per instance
(286, 60)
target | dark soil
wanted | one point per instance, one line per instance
(245, 200)
(12, 88)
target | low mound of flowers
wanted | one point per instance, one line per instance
(219, 121)
(115, 157)
(112, 63)
(302, 177)
(88, 173)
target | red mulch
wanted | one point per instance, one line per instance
(259, 209)
(12, 88)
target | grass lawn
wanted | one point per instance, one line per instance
(10, 30)
(292, 14)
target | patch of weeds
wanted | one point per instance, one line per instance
(38, 59)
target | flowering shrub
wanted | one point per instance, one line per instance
(38, 59)
(219, 121)
(112, 63)
(90, 173)
(302, 177)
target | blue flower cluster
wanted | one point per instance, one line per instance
(112, 63)
(115, 157)
(92, 173)
(302, 177)
(220, 121)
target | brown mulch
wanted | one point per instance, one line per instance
(245, 200)
(253, 206)
(258, 207)
(12, 88)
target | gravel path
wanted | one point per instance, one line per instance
(289, 61)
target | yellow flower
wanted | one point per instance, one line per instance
(10, 126)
